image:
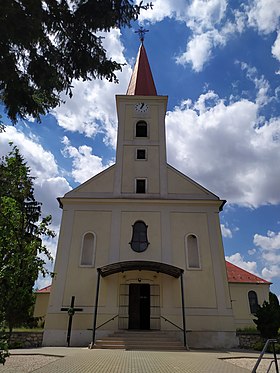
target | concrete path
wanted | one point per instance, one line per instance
(83, 360)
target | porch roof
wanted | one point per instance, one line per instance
(139, 265)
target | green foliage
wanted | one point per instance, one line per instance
(16, 345)
(4, 353)
(45, 44)
(268, 317)
(2, 127)
(258, 346)
(21, 247)
(248, 330)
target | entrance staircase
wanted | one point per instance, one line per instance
(140, 340)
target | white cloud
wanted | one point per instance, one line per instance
(41, 162)
(261, 84)
(84, 163)
(205, 14)
(270, 255)
(47, 191)
(198, 51)
(239, 261)
(270, 246)
(269, 242)
(42, 281)
(276, 47)
(220, 146)
(92, 108)
(272, 271)
(206, 20)
(226, 232)
(264, 15)
(252, 251)
(210, 26)
(162, 9)
(43, 166)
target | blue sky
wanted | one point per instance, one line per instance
(219, 63)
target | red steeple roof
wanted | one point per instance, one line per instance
(141, 81)
(239, 275)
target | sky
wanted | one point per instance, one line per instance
(219, 63)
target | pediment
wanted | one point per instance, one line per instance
(181, 186)
(96, 187)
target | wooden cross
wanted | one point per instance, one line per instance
(71, 312)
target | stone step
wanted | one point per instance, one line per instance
(134, 341)
(140, 340)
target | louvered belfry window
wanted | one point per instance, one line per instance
(141, 129)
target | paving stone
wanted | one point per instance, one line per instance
(117, 361)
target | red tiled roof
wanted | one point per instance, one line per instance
(141, 81)
(46, 289)
(239, 275)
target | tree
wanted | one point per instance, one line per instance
(45, 44)
(268, 317)
(21, 246)
(4, 353)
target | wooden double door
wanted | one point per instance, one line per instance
(139, 306)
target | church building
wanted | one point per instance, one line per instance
(140, 245)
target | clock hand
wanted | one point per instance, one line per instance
(142, 104)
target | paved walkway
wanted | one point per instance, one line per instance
(83, 360)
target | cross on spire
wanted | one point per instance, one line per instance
(141, 33)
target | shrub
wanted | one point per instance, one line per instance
(4, 353)
(258, 346)
(248, 330)
(268, 317)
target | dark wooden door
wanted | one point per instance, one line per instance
(139, 306)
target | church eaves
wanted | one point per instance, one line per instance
(141, 81)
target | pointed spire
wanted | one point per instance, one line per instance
(141, 81)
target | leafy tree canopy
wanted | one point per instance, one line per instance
(45, 44)
(21, 247)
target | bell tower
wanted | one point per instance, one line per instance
(141, 145)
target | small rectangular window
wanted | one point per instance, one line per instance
(140, 186)
(141, 154)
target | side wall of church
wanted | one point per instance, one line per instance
(240, 301)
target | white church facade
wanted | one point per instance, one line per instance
(140, 243)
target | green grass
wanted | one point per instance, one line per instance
(26, 330)
(248, 330)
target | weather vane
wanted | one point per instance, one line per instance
(141, 32)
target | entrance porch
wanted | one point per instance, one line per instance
(139, 300)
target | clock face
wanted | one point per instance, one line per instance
(141, 107)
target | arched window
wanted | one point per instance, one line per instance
(139, 241)
(253, 301)
(88, 250)
(192, 252)
(141, 129)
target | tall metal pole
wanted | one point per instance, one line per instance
(95, 309)
(183, 310)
